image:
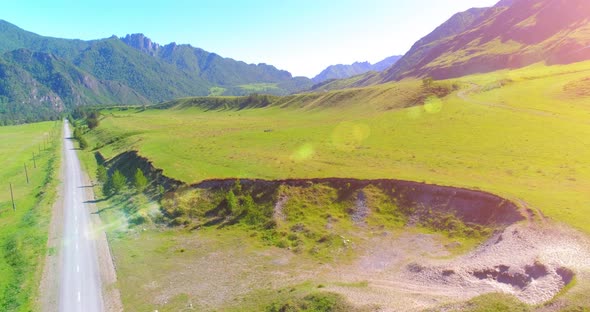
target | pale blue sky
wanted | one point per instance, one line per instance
(301, 36)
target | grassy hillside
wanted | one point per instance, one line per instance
(520, 134)
(364, 80)
(511, 35)
(23, 233)
(13, 38)
(112, 60)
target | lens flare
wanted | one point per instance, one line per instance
(349, 135)
(304, 152)
(414, 112)
(433, 105)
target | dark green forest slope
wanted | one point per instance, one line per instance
(40, 77)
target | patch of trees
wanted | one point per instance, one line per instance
(117, 183)
(224, 207)
(90, 115)
(79, 136)
(93, 120)
(433, 88)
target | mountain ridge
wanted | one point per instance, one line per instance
(133, 68)
(130, 69)
(511, 34)
(343, 71)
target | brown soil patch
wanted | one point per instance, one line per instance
(531, 262)
(578, 88)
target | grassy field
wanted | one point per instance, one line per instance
(523, 134)
(23, 233)
(520, 134)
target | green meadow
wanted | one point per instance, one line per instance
(23, 232)
(521, 134)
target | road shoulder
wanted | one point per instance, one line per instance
(48, 297)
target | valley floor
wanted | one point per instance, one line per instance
(520, 134)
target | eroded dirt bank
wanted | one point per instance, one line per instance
(402, 271)
(469, 205)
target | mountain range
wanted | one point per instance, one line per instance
(42, 76)
(511, 34)
(341, 71)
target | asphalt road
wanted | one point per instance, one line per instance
(80, 286)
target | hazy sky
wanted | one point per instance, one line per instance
(301, 36)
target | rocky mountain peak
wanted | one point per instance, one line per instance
(141, 43)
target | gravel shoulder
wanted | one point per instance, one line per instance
(49, 287)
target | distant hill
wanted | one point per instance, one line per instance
(42, 76)
(512, 34)
(346, 71)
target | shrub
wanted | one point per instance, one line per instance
(140, 181)
(118, 182)
(93, 120)
(83, 143)
(254, 216)
(238, 187)
(138, 219)
(232, 202)
(180, 221)
(101, 174)
(77, 133)
(317, 302)
(427, 81)
(107, 189)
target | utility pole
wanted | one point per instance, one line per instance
(12, 197)
(26, 173)
(34, 162)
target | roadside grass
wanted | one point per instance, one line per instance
(24, 232)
